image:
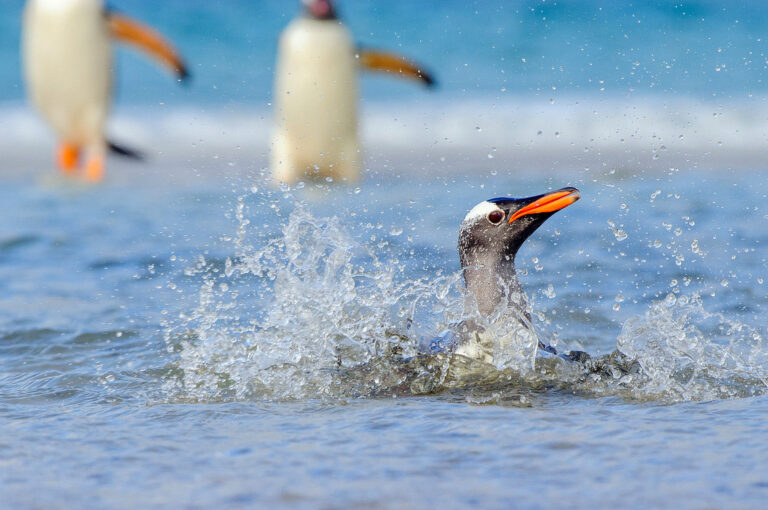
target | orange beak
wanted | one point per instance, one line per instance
(549, 203)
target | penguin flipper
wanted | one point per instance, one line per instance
(137, 34)
(381, 61)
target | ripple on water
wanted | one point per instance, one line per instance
(16, 242)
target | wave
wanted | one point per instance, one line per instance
(452, 136)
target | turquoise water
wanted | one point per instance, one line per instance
(707, 49)
(188, 335)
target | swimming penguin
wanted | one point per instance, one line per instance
(316, 96)
(489, 238)
(67, 55)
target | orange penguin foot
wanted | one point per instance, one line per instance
(94, 170)
(68, 158)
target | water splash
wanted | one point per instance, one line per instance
(315, 313)
(287, 320)
(687, 353)
(275, 317)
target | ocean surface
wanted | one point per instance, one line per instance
(189, 335)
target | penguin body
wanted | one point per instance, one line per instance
(489, 239)
(316, 96)
(67, 59)
(316, 93)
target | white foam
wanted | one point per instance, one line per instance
(452, 137)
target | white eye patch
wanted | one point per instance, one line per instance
(481, 210)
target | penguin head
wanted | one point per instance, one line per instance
(319, 9)
(494, 230)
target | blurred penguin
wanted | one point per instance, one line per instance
(316, 96)
(67, 55)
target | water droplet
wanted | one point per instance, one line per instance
(396, 231)
(618, 233)
(695, 247)
(724, 283)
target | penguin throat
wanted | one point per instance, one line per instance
(494, 286)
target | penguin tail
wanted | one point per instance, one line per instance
(125, 152)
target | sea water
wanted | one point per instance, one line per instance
(190, 335)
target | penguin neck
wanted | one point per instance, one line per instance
(492, 282)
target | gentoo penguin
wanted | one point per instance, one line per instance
(489, 238)
(67, 55)
(316, 96)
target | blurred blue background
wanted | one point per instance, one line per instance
(703, 49)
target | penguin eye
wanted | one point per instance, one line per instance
(496, 216)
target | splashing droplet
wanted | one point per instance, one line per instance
(549, 292)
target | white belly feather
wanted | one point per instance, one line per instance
(67, 62)
(315, 103)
